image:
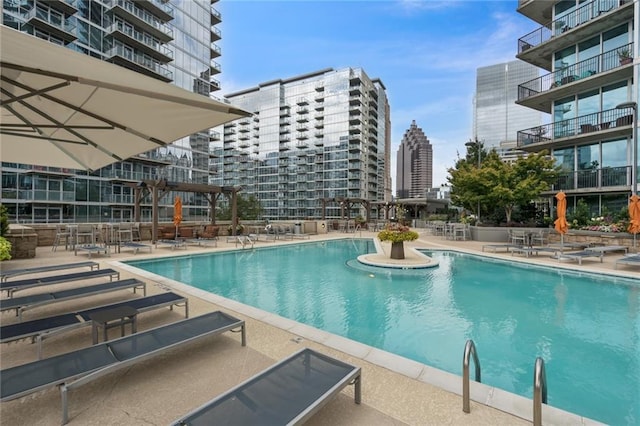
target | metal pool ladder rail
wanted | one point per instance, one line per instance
(539, 390)
(469, 350)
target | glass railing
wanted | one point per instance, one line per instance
(607, 61)
(589, 123)
(593, 178)
(141, 37)
(142, 14)
(142, 60)
(584, 13)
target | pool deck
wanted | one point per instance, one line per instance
(396, 391)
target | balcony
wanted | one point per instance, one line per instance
(215, 50)
(216, 34)
(214, 67)
(600, 70)
(141, 41)
(159, 8)
(606, 178)
(143, 64)
(216, 17)
(52, 21)
(591, 18)
(131, 12)
(68, 7)
(608, 124)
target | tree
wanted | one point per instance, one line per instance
(519, 183)
(467, 191)
(499, 184)
(249, 208)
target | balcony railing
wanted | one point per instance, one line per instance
(589, 123)
(607, 61)
(141, 38)
(584, 13)
(605, 177)
(143, 15)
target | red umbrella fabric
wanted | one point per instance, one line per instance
(177, 211)
(634, 214)
(561, 224)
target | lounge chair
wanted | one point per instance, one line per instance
(74, 369)
(5, 275)
(12, 286)
(92, 249)
(289, 392)
(579, 255)
(606, 249)
(174, 244)
(498, 247)
(135, 246)
(21, 304)
(633, 260)
(43, 328)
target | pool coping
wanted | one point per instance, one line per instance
(490, 396)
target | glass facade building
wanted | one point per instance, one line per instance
(171, 40)
(586, 50)
(314, 136)
(496, 116)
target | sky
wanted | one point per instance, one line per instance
(425, 52)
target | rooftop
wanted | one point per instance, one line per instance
(396, 391)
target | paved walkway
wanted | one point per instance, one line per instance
(395, 391)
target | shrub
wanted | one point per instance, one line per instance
(5, 249)
(397, 234)
(4, 221)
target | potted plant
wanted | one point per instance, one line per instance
(397, 234)
(624, 55)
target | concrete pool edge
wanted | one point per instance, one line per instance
(489, 396)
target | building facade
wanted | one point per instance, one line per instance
(414, 171)
(172, 41)
(496, 116)
(315, 136)
(587, 51)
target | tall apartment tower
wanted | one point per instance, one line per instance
(414, 172)
(590, 88)
(496, 116)
(147, 36)
(314, 136)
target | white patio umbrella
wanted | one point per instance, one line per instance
(64, 109)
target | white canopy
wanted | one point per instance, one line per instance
(65, 109)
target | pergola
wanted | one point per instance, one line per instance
(161, 187)
(345, 204)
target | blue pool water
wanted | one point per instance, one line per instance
(585, 326)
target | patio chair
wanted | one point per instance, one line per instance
(540, 238)
(290, 392)
(21, 304)
(12, 286)
(632, 260)
(62, 233)
(74, 369)
(43, 328)
(210, 232)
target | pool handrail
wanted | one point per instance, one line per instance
(539, 390)
(469, 351)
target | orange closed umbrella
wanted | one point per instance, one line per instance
(561, 224)
(177, 211)
(634, 215)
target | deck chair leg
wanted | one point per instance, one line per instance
(358, 389)
(65, 404)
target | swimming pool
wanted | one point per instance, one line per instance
(585, 326)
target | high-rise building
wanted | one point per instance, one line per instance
(314, 136)
(589, 86)
(414, 172)
(172, 41)
(496, 116)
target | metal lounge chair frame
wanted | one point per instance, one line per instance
(74, 369)
(43, 328)
(5, 275)
(579, 255)
(21, 304)
(633, 260)
(289, 392)
(12, 286)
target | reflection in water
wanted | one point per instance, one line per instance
(512, 312)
